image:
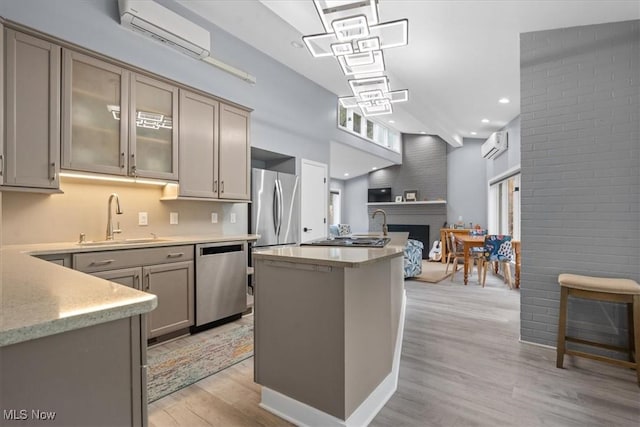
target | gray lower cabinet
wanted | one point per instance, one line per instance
(173, 285)
(125, 276)
(167, 272)
(60, 259)
(32, 113)
(94, 376)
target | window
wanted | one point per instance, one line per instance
(504, 206)
(334, 207)
(351, 121)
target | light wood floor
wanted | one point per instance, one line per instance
(461, 365)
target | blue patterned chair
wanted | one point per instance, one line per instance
(497, 248)
(413, 258)
(333, 230)
(344, 229)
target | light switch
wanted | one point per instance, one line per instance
(232, 218)
(173, 218)
(214, 218)
(143, 219)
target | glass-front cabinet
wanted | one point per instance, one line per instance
(95, 113)
(116, 121)
(153, 138)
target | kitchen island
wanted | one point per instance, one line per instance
(328, 330)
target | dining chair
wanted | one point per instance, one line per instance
(455, 252)
(497, 249)
(476, 252)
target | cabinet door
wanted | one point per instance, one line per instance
(153, 138)
(32, 111)
(173, 285)
(198, 145)
(125, 276)
(95, 115)
(234, 153)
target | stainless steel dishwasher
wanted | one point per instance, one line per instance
(221, 281)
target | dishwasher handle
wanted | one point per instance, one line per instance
(216, 250)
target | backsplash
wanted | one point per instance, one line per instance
(39, 218)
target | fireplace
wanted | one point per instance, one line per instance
(416, 232)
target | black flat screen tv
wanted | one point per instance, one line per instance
(379, 195)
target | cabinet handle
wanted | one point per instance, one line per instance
(103, 262)
(134, 169)
(136, 281)
(215, 186)
(53, 172)
(175, 255)
(122, 160)
(147, 280)
(1, 164)
(222, 186)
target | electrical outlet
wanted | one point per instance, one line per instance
(214, 218)
(173, 218)
(232, 218)
(143, 218)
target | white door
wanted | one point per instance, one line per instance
(313, 200)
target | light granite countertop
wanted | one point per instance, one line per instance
(336, 256)
(39, 298)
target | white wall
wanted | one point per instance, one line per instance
(355, 204)
(466, 183)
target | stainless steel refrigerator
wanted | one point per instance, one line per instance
(275, 213)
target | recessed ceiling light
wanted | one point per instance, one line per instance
(423, 132)
(297, 45)
(474, 133)
(374, 168)
(346, 174)
(485, 120)
(504, 100)
(392, 121)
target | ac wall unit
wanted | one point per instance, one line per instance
(161, 24)
(494, 145)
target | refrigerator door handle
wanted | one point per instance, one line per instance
(280, 207)
(276, 220)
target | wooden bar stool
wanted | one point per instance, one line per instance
(601, 289)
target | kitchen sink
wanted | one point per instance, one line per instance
(351, 241)
(123, 242)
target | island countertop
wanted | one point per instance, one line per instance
(336, 256)
(39, 298)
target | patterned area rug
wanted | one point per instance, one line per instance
(182, 362)
(433, 272)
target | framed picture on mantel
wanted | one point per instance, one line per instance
(410, 195)
(398, 199)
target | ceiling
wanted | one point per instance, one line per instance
(348, 160)
(462, 56)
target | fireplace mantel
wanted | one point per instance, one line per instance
(426, 202)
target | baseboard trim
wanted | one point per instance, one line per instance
(550, 347)
(302, 414)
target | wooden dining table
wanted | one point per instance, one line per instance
(467, 241)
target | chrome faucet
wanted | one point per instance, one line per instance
(110, 230)
(385, 229)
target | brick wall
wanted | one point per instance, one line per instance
(423, 168)
(580, 172)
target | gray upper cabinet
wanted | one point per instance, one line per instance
(234, 153)
(153, 138)
(32, 112)
(117, 122)
(95, 115)
(198, 145)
